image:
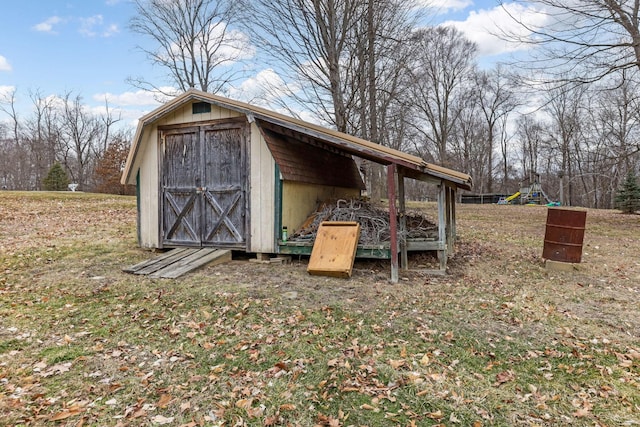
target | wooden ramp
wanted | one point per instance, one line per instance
(177, 262)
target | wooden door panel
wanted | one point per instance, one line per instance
(222, 217)
(224, 198)
(181, 216)
(180, 205)
(203, 186)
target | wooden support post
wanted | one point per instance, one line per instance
(442, 225)
(453, 213)
(393, 220)
(402, 213)
(449, 211)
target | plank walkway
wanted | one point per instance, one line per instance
(176, 262)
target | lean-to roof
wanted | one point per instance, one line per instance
(414, 166)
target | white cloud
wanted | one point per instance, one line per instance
(111, 30)
(4, 64)
(46, 26)
(93, 26)
(139, 98)
(440, 7)
(269, 90)
(88, 25)
(264, 89)
(6, 91)
(230, 46)
(485, 26)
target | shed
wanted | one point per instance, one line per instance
(212, 171)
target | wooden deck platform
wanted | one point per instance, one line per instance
(176, 262)
(380, 251)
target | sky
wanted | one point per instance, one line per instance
(53, 47)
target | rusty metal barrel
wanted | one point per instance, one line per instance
(564, 235)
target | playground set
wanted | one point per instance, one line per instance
(532, 194)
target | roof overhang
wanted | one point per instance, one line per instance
(412, 166)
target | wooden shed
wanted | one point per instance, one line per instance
(212, 171)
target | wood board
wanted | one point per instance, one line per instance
(177, 262)
(334, 249)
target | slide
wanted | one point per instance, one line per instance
(513, 196)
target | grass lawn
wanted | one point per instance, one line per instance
(498, 341)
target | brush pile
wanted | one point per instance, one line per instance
(374, 222)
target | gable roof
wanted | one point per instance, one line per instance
(415, 166)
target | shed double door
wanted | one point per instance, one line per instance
(203, 185)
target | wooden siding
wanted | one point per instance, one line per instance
(149, 196)
(299, 200)
(262, 194)
(184, 115)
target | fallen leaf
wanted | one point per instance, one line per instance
(243, 403)
(60, 368)
(581, 413)
(395, 364)
(626, 363)
(425, 360)
(332, 363)
(164, 400)
(437, 415)
(162, 420)
(287, 407)
(40, 365)
(368, 407)
(504, 377)
(139, 413)
(634, 354)
(271, 421)
(63, 415)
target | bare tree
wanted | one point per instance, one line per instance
(108, 121)
(379, 78)
(443, 60)
(565, 110)
(42, 135)
(17, 161)
(5, 155)
(582, 41)
(346, 60)
(469, 149)
(531, 134)
(8, 106)
(309, 43)
(81, 132)
(193, 41)
(610, 135)
(496, 99)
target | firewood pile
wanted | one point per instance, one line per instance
(374, 222)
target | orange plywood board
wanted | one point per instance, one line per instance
(334, 249)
